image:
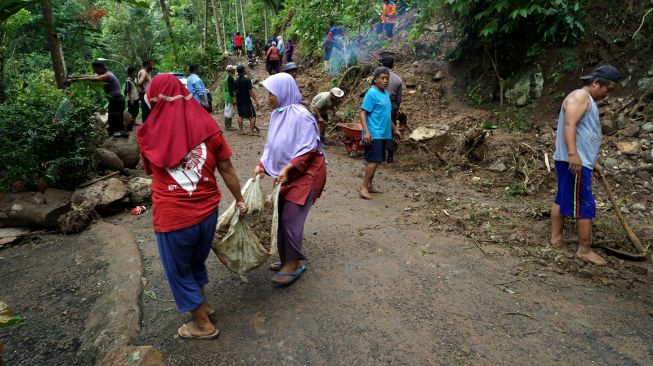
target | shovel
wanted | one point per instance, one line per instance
(642, 251)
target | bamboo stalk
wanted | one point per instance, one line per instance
(615, 207)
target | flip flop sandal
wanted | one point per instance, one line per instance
(189, 334)
(293, 277)
(276, 266)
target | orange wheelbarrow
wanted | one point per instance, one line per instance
(353, 140)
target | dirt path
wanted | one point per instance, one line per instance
(381, 289)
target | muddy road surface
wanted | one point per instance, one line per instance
(381, 289)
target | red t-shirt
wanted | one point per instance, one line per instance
(238, 40)
(187, 194)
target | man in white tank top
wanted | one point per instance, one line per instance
(578, 140)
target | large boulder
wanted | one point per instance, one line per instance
(109, 159)
(525, 88)
(100, 194)
(126, 148)
(423, 133)
(139, 190)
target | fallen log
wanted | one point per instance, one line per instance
(30, 214)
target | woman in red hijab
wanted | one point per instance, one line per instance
(181, 146)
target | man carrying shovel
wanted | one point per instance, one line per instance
(578, 140)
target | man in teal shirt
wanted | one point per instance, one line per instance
(196, 87)
(377, 127)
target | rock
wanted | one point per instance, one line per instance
(126, 149)
(422, 133)
(498, 166)
(8, 235)
(139, 190)
(128, 121)
(644, 175)
(608, 125)
(624, 209)
(548, 137)
(628, 147)
(76, 220)
(638, 207)
(114, 320)
(416, 63)
(100, 194)
(476, 179)
(109, 159)
(644, 83)
(134, 356)
(647, 156)
(630, 130)
(438, 76)
(525, 88)
(646, 127)
(610, 163)
(55, 196)
(622, 121)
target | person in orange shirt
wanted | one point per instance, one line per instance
(388, 18)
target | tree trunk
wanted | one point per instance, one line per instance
(218, 42)
(242, 14)
(166, 19)
(206, 22)
(236, 14)
(224, 31)
(265, 20)
(56, 53)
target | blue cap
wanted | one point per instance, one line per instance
(605, 72)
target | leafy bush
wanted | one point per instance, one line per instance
(48, 134)
(513, 29)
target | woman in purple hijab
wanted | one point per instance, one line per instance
(293, 155)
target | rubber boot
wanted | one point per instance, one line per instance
(227, 124)
(391, 157)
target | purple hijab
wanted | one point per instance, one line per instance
(293, 130)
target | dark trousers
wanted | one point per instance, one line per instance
(288, 57)
(133, 108)
(274, 67)
(115, 115)
(145, 110)
(391, 147)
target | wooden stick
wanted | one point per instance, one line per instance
(86, 184)
(546, 161)
(615, 207)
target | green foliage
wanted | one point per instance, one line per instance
(473, 95)
(499, 20)
(36, 144)
(310, 20)
(514, 119)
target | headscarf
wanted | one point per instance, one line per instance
(280, 44)
(176, 125)
(293, 130)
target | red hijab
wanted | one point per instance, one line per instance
(176, 125)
